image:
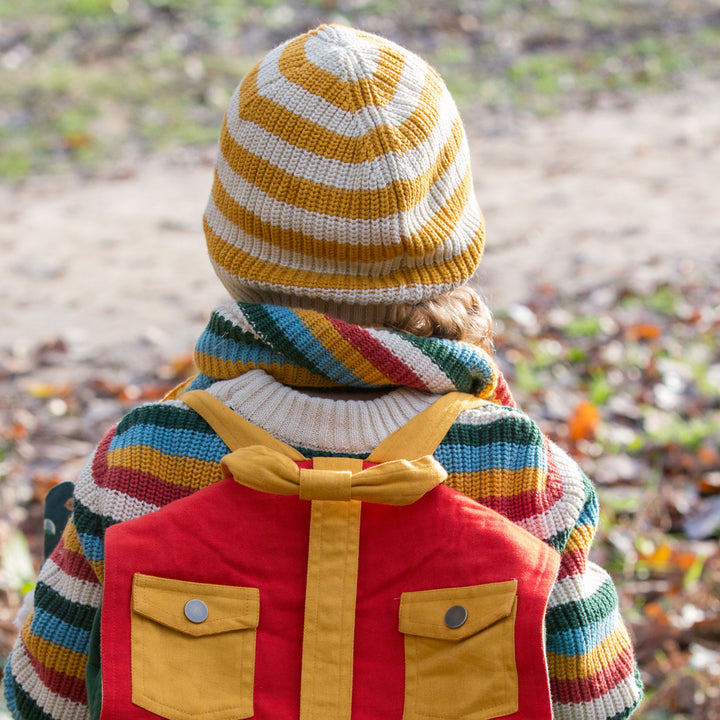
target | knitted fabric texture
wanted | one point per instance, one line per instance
(306, 348)
(343, 177)
(495, 454)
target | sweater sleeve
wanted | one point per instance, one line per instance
(590, 656)
(45, 676)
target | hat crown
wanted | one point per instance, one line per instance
(343, 175)
(342, 52)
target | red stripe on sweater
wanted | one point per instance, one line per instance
(502, 392)
(522, 506)
(572, 563)
(99, 462)
(143, 486)
(594, 686)
(377, 354)
(527, 504)
(72, 563)
(66, 686)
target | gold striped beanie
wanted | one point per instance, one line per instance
(342, 180)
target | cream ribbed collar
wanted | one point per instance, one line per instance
(319, 424)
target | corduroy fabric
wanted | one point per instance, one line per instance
(343, 177)
(496, 455)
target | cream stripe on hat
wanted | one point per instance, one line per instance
(340, 118)
(355, 258)
(305, 133)
(343, 175)
(364, 175)
(321, 228)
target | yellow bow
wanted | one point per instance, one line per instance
(397, 482)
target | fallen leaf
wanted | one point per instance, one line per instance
(183, 365)
(43, 483)
(655, 612)
(75, 141)
(708, 456)
(130, 393)
(710, 484)
(584, 421)
(18, 431)
(643, 331)
(153, 392)
(667, 557)
(49, 390)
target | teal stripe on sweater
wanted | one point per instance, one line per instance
(559, 540)
(51, 628)
(498, 456)
(177, 442)
(576, 641)
(312, 349)
(225, 350)
(52, 602)
(88, 523)
(280, 330)
(93, 547)
(222, 327)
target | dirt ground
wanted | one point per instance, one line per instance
(115, 267)
(574, 200)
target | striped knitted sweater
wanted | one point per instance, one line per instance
(248, 357)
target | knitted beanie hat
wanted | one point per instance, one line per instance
(342, 180)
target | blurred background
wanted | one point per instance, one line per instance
(595, 133)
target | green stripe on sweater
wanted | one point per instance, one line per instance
(165, 416)
(226, 329)
(77, 615)
(26, 705)
(517, 429)
(282, 343)
(580, 613)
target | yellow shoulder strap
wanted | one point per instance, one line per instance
(423, 433)
(235, 431)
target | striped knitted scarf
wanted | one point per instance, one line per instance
(306, 348)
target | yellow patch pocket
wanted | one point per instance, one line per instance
(193, 648)
(460, 652)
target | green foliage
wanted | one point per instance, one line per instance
(15, 161)
(17, 566)
(601, 389)
(528, 381)
(547, 74)
(580, 327)
(126, 69)
(664, 300)
(575, 354)
(92, 8)
(149, 73)
(695, 571)
(672, 427)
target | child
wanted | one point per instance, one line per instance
(343, 223)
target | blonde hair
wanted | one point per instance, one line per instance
(460, 314)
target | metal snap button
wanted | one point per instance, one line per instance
(456, 616)
(196, 611)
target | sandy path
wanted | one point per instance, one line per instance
(571, 200)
